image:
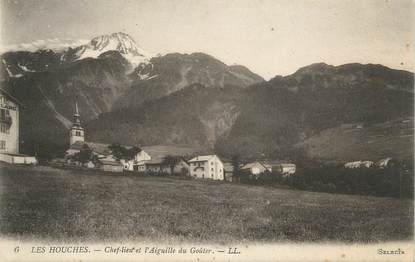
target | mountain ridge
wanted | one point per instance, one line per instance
(198, 100)
(50, 82)
(351, 73)
(272, 118)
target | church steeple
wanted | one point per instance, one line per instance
(76, 115)
(77, 132)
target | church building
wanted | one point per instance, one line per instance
(101, 151)
(76, 133)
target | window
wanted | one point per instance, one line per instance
(4, 114)
(2, 144)
(4, 128)
(211, 169)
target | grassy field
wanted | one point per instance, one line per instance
(47, 203)
(389, 139)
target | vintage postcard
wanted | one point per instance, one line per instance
(207, 130)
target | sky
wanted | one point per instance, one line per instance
(270, 37)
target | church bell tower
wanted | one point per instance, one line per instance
(76, 132)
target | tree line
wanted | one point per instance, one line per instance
(396, 180)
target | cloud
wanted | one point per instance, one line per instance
(54, 44)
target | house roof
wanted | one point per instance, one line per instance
(110, 163)
(202, 158)
(287, 165)
(253, 164)
(9, 96)
(159, 152)
(77, 145)
(14, 154)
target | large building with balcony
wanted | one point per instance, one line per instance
(9, 131)
(9, 123)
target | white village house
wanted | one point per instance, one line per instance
(9, 131)
(359, 164)
(158, 154)
(286, 168)
(281, 166)
(158, 165)
(255, 168)
(150, 158)
(385, 162)
(382, 163)
(209, 166)
(138, 163)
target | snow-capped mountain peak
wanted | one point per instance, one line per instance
(120, 42)
(55, 44)
(117, 41)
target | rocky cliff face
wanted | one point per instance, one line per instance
(167, 74)
(218, 120)
(196, 116)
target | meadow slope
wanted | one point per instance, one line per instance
(52, 204)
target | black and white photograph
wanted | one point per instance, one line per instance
(207, 130)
